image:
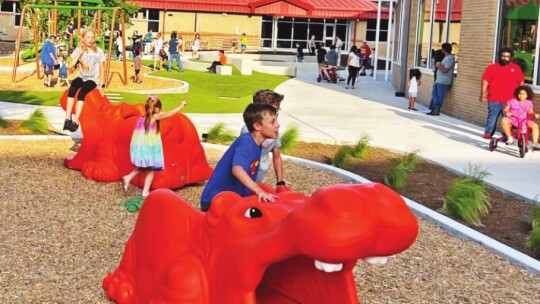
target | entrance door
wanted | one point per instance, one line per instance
(329, 34)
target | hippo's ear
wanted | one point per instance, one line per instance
(221, 202)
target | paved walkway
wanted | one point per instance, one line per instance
(332, 114)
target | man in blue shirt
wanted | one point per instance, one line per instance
(49, 59)
(174, 53)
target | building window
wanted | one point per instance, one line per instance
(371, 30)
(439, 21)
(153, 20)
(518, 29)
(299, 30)
(14, 8)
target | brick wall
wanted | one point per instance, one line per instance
(476, 43)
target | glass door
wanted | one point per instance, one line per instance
(329, 34)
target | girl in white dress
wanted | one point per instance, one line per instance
(413, 83)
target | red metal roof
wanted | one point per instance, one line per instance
(344, 9)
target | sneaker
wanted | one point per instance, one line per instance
(346, 87)
(342, 79)
(487, 136)
(67, 124)
(535, 147)
(510, 141)
(74, 126)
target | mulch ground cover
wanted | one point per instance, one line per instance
(61, 233)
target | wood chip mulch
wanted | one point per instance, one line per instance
(61, 233)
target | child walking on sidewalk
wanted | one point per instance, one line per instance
(413, 84)
(146, 150)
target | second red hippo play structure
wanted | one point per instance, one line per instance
(297, 250)
(104, 151)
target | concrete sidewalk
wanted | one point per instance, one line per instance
(329, 113)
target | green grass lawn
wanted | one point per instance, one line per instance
(208, 93)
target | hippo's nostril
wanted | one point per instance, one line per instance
(253, 213)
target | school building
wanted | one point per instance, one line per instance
(477, 30)
(268, 24)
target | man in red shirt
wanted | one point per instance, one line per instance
(365, 52)
(499, 81)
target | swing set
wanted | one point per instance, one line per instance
(54, 15)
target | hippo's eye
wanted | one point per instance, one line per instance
(253, 213)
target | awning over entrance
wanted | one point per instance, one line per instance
(321, 9)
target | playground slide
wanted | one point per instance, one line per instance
(30, 53)
(104, 151)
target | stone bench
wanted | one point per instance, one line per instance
(224, 70)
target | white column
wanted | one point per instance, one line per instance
(376, 58)
(389, 40)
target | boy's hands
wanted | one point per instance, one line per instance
(266, 197)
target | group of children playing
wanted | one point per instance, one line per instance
(518, 110)
(245, 163)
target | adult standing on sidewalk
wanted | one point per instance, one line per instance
(499, 81)
(353, 66)
(445, 75)
(339, 45)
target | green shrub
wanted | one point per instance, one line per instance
(3, 123)
(289, 139)
(467, 200)
(396, 176)
(219, 135)
(36, 123)
(534, 240)
(361, 149)
(477, 174)
(535, 218)
(342, 159)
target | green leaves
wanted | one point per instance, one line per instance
(467, 199)
(396, 176)
(219, 135)
(289, 139)
(36, 123)
(134, 204)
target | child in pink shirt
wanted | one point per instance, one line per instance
(517, 110)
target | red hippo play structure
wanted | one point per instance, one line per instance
(104, 151)
(297, 250)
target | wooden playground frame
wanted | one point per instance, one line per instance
(97, 27)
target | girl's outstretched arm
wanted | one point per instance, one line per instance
(170, 112)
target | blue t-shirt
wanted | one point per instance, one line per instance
(173, 46)
(48, 48)
(243, 152)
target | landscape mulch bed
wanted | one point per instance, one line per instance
(508, 220)
(61, 233)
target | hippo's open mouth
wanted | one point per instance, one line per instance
(304, 280)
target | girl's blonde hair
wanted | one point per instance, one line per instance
(83, 46)
(151, 103)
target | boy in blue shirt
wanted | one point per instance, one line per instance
(238, 168)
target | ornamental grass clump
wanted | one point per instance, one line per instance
(534, 239)
(361, 149)
(343, 156)
(467, 199)
(289, 139)
(36, 123)
(219, 135)
(397, 173)
(3, 123)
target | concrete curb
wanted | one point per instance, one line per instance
(453, 228)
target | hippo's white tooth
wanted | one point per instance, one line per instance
(376, 260)
(326, 267)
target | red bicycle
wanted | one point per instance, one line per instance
(521, 133)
